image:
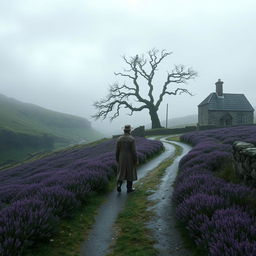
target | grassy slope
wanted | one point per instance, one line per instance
(32, 119)
(19, 119)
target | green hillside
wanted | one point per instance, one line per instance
(27, 128)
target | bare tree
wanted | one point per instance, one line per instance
(123, 95)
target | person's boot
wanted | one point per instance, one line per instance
(119, 185)
(129, 187)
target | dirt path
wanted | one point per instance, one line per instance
(102, 233)
(163, 225)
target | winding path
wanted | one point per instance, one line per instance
(102, 232)
(163, 224)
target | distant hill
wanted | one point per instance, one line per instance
(178, 122)
(182, 121)
(187, 121)
(27, 128)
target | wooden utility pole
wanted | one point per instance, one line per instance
(167, 115)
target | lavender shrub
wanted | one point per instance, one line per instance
(33, 196)
(217, 214)
(22, 223)
(230, 231)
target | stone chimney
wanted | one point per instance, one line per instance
(219, 88)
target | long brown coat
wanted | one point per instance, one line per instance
(126, 158)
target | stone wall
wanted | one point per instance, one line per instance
(139, 131)
(238, 117)
(245, 160)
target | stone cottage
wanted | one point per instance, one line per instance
(224, 109)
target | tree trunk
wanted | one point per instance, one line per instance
(154, 118)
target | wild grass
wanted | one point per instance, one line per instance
(134, 238)
(174, 138)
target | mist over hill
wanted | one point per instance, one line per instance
(178, 121)
(26, 128)
(181, 121)
(186, 121)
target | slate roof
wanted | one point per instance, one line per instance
(230, 102)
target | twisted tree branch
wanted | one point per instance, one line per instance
(179, 75)
(122, 95)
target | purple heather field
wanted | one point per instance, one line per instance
(35, 196)
(219, 215)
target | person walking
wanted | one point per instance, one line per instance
(126, 158)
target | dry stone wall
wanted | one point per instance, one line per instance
(245, 160)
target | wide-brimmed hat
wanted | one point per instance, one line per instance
(127, 128)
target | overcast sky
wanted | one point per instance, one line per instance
(62, 54)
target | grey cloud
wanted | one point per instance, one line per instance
(62, 54)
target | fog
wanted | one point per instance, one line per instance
(62, 55)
